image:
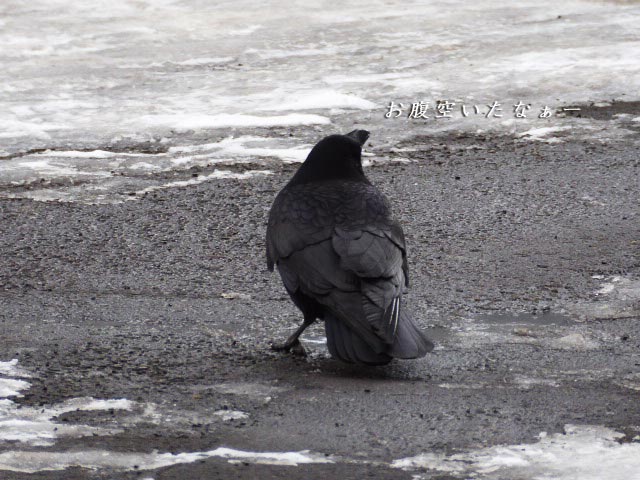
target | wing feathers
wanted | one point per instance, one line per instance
(357, 272)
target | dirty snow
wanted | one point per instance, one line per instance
(580, 453)
(88, 79)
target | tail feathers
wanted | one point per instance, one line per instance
(346, 346)
(409, 341)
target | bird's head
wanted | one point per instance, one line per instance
(336, 157)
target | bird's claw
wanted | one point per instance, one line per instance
(295, 348)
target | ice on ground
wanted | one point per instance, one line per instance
(319, 100)
(527, 382)
(39, 461)
(11, 369)
(580, 453)
(78, 71)
(204, 178)
(182, 121)
(247, 388)
(617, 297)
(631, 381)
(73, 79)
(229, 415)
(243, 147)
(610, 286)
(11, 387)
(195, 62)
(35, 425)
(542, 133)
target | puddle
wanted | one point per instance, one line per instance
(528, 319)
(438, 334)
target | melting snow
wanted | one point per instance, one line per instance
(37, 461)
(36, 425)
(228, 415)
(342, 69)
(182, 122)
(581, 453)
(542, 133)
(11, 369)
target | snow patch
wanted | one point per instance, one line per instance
(35, 425)
(39, 461)
(78, 154)
(609, 287)
(10, 387)
(204, 178)
(183, 122)
(11, 369)
(194, 62)
(581, 452)
(574, 341)
(229, 415)
(617, 297)
(526, 382)
(320, 99)
(540, 134)
(241, 147)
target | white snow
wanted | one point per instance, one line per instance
(525, 382)
(574, 341)
(196, 61)
(610, 286)
(617, 297)
(318, 341)
(229, 415)
(240, 148)
(320, 99)
(182, 121)
(36, 425)
(74, 78)
(39, 461)
(78, 154)
(11, 369)
(580, 453)
(204, 178)
(541, 133)
(11, 387)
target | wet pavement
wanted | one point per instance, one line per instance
(134, 337)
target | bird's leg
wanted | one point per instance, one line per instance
(293, 342)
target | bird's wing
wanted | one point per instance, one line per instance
(377, 256)
(358, 274)
(358, 271)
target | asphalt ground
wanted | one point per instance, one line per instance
(524, 260)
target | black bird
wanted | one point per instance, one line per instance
(342, 257)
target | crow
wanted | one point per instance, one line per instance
(342, 257)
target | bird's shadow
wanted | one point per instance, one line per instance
(322, 364)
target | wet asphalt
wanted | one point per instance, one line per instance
(166, 300)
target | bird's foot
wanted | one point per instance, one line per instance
(294, 347)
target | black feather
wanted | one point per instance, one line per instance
(342, 257)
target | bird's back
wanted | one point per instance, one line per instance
(342, 256)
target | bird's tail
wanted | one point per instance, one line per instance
(409, 341)
(347, 346)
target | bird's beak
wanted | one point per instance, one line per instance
(360, 136)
